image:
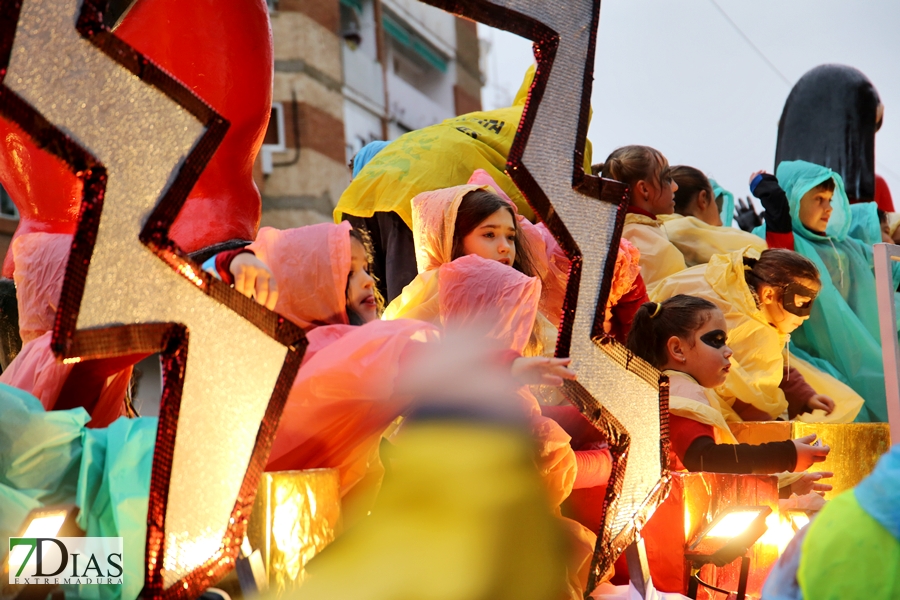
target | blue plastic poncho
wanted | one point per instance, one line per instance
(842, 330)
(366, 154)
(52, 458)
(727, 210)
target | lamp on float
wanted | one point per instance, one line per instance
(727, 538)
(44, 522)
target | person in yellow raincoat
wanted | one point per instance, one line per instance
(685, 338)
(435, 157)
(764, 297)
(696, 226)
(652, 192)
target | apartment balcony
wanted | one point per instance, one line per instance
(363, 79)
(411, 108)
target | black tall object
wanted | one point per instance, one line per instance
(829, 119)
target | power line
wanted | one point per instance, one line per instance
(750, 42)
(778, 72)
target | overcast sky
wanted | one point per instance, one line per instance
(676, 75)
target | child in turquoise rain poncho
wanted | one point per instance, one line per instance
(842, 335)
(52, 458)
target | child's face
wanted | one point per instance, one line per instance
(360, 285)
(815, 209)
(772, 300)
(706, 357)
(661, 195)
(494, 238)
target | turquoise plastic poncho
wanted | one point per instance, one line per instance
(864, 223)
(842, 330)
(727, 210)
(51, 458)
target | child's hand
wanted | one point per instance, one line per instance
(254, 279)
(820, 402)
(807, 454)
(808, 484)
(542, 371)
(752, 177)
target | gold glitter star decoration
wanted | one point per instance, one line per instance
(622, 395)
(139, 140)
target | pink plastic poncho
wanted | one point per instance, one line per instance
(40, 266)
(343, 399)
(434, 222)
(311, 265)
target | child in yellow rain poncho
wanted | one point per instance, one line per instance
(440, 156)
(646, 171)
(696, 228)
(763, 301)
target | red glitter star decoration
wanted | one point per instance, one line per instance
(138, 139)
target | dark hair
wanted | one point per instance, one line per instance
(362, 236)
(826, 186)
(690, 182)
(475, 207)
(778, 267)
(630, 164)
(654, 323)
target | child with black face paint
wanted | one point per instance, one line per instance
(685, 337)
(765, 298)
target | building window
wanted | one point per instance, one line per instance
(7, 208)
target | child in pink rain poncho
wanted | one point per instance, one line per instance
(477, 218)
(472, 226)
(100, 386)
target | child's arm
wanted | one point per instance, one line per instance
(801, 397)
(778, 212)
(249, 275)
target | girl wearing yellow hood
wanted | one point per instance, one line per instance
(652, 193)
(696, 227)
(764, 299)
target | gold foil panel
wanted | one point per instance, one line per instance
(142, 137)
(296, 515)
(855, 447)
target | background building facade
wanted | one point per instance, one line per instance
(348, 72)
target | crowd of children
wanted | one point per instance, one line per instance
(778, 323)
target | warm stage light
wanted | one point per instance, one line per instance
(727, 538)
(733, 524)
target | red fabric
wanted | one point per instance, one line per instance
(780, 240)
(224, 53)
(623, 312)
(223, 263)
(883, 197)
(682, 433)
(635, 210)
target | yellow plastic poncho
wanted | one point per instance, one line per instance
(699, 241)
(689, 400)
(659, 257)
(441, 156)
(757, 366)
